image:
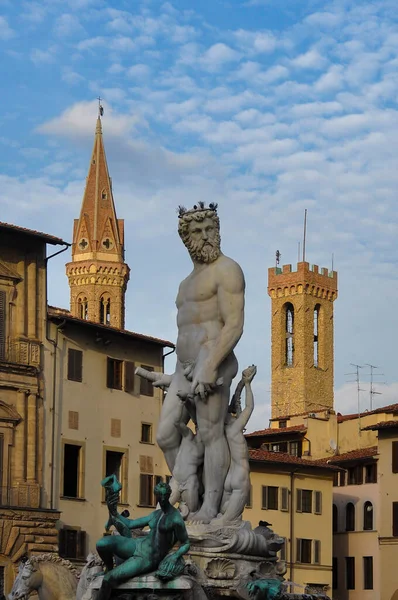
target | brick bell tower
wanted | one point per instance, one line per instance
(302, 338)
(98, 274)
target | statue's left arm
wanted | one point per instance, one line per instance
(182, 537)
(231, 302)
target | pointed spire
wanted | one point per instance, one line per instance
(98, 229)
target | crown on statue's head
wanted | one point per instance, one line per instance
(199, 207)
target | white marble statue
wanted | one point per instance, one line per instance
(237, 482)
(210, 305)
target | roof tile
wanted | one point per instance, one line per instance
(50, 239)
(276, 431)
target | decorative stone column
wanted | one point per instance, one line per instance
(32, 298)
(31, 438)
(19, 447)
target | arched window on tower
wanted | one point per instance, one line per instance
(289, 333)
(350, 517)
(82, 308)
(105, 310)
(316, 335)
(368, 516)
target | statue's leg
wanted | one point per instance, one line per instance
(130, 568)
(168, 436)
(211, 419)
(114, 545)
(190, 495)
(175, 491)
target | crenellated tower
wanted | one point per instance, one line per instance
(302, 338)
(98, 274)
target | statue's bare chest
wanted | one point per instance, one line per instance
(197, 287)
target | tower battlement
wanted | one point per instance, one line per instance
(307, 279)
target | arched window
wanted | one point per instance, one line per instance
(105, 310)
(82, 308)
(350, 517)
(368, 516)
(289, 333)
(335, 519)
(316, 335)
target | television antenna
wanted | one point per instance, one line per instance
(359, 390)
(372, 391)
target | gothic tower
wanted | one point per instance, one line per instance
(97, 274)
(302, 338)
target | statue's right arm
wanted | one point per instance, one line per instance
(136, 523)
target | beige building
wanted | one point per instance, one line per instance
(27, 524)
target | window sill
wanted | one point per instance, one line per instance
(147, 443)
(73, 499)
(119, 504)
(146, 505)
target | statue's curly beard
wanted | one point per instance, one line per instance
(203, 251)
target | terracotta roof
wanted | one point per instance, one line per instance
(49, 239)
(351, 456)
(382, 425)
(61, 313)
(304, 414)
(277, 431)
(284, 458)
(390, 408)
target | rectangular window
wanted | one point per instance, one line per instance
(270, 497)
(113, 463)
(114, 374)
(371, 473)
(2, 467)
(146, 433)
(304, 550)
(335, 573)
(249, 502)
(317, 552)
(318, 503)
(336, 479)
(355, 475)
(146, 387)
(350, 572)
(368, 572)
(2, 586)
(282, 424)
(395, 519)
(3, 322)
(129, 376)
(296, 449)
(284, 499)
(146, 490)
(72, 543)
(395, 457)
(72, 471)
(304, 501)
(342, 478)
(75, 365)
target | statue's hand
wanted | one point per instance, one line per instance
(249, 373)
(204, 381)
(163, 381)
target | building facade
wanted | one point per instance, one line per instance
(27, 525)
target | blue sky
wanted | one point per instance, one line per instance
(267, 107)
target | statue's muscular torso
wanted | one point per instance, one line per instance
(198, 319)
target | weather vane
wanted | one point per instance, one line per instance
(277, 257)
(100, 107)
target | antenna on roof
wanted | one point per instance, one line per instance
(332, 262)
(305, 233)
(372, 391)
(359, 390)
(277, 258)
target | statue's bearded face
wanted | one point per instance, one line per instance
(202, 239)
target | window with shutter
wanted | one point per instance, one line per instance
(75, 365)
(368, 572)
(317, 552)
(284, 499)
(282, 552)
(146, 387)
(299, 501)
(306, 501)
(350, 517)
(335, 576)
(298, 550)
(318, 503)
(146, 433)
(264, 503)
(72, 543)
(2, 588)
(129, 377)
(395, 457)
(72, 482)
(249, 502)
(116, 428)
(368, 516)
(146, 490)
(350, 572)
(114, 373)
(272, 497)
(395, 519)
(3, 322)
(73, 419)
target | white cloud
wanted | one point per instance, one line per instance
(217, 56)
(139, 71)
(71, 77)
(116, 69)
(309, 60)
(68, 25)
(41, 57)
(6, 32)
(330, 81)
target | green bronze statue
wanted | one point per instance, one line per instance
(144, 554)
